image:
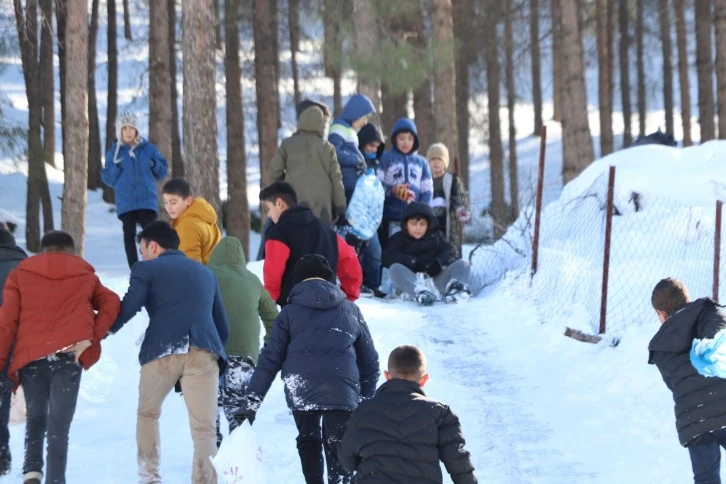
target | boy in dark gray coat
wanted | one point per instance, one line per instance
(400, 434)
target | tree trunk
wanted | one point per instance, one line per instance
(704, 69)
(60, 14)
(160, 82)
(640, 64)
(624, 15)
(218, 41)
(127, 20)
(394, 106)
(177, 157)
(605, 100)
(511, 97)
(75, 173)
(665, 41)
(94, 130)
(423, 98)
(276, 63)
(683, 68)
(333, 50)
(238, 210)
(445, 124)
(366, 39)
(47, 81)
(463, 31)
(577, 142)
(199, 115)
(109, 195)
(720, 22)
(496, 153)
(557, 81)
(267, 101)
(294, 27)
(37, 190)
(536, 67)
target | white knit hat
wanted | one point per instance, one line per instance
(127, 118)
(438, 150)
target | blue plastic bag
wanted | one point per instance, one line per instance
(365, 210)
(708, 356)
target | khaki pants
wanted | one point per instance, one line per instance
(199, 374)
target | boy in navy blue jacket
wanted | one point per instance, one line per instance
(132, 166)
(321, 343)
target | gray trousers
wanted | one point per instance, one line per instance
(405, 280)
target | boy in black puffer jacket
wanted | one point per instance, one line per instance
(420, 249)
(400, 435)
(321, 343)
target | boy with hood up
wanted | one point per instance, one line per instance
(343, 135)
(405, 175)
(132, 167)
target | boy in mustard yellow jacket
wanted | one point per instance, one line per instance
(194, 219)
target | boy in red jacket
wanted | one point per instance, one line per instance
(56, 311)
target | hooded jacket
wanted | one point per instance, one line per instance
(344, 138)
(48, 305)
(412, 169)
(418, 253)
(245, 299)
(323, 347)
(184, 305)
(700, 402)
(297, 233)
(198, 230)
(368, 134)
(131, 171)
(400, 435)
(10, 257)
(309, 163)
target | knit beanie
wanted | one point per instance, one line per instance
(306, 103)
(313, 265)
(438, 150)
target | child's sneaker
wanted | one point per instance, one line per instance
(366, 291)
(456, 291)
(425, 298)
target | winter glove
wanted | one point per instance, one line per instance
(361, 167)
(463, 214)
(433, 268)
(354, 242)
(419, 265)
(400, 191)
(248, 409)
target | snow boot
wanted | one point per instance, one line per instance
(425, 298)
(456, 291)
(32, 477)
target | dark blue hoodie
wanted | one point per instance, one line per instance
(321, 343)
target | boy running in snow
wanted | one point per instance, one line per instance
(322, 345)
(700, 402)
(419, 252)
(297, 232)
(132, 167)
(245, 302)
(450, 200)
(10, 256)
(405, 175)
(54, 314)
(194, 219)
(400, 434)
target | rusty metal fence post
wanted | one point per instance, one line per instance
(538, 200)
(717, 249)
(606, 250)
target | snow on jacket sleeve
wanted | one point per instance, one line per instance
(347, 449)
(278, 165)
(451, 449)
(271, 358)
(111, 171)
(134, 299)
(366, 357)
(159, 166)
(267, 309)
(220, 317)
(394, 254)
(276, 255)
(349, 270)
(9, 317)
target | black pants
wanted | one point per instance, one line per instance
(317, 431)
(705, 453)
(130, 220)
(51, 391)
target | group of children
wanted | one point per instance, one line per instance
(204, 334)
(379, 187)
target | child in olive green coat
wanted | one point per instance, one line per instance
(246, 302)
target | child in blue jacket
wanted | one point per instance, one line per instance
(405, 175)
(132, 167)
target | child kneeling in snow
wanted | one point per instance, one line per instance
(420, 249)
(321, 343)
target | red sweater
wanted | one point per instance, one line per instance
(49, 303)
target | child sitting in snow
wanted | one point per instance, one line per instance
(450, 200)
(420, 249)
(400, 434)
(321, 343)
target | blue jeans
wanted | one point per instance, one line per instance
(371, 263)
(705, 453)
